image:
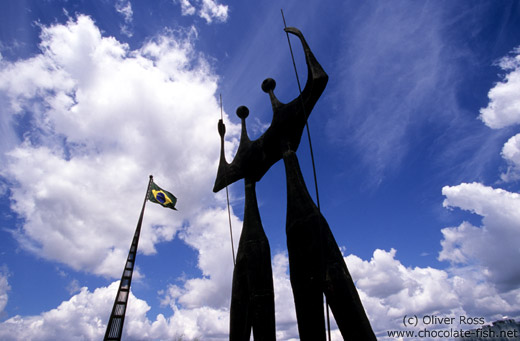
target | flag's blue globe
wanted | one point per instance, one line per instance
(160, 197)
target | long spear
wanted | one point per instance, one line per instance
(311, 151)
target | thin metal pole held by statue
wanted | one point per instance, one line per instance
(312, 155)
(227, 198)
(304, 117)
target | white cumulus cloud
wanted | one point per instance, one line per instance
(83, 317)
(503, 110)
(102, 118)
(511, 153)
(504, 103)
(389, 291)
(492, 246)
(419, 291)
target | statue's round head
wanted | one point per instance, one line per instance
(242, 112)
(268, 85)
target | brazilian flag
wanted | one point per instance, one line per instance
(161, 197)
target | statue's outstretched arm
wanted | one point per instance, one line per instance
(222, 132)
(254, 158)
(317, 78)
(223, 166)
(243, 164)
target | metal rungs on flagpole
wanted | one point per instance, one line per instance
(117, 317)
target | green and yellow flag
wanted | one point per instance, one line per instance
(161, 197)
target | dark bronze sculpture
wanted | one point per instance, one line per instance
(316, 264)
(252, 296)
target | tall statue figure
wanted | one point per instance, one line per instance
(252, 295)
(316, 264)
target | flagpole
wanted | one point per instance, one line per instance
(144, 204)
(117, 317)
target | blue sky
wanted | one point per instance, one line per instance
(416, 141)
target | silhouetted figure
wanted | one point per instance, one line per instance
(316, 263)
(252, 296)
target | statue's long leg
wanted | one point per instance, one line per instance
(343, 298)
(252, 299)
(317, 266)
(240, 319)
(305, 257)
(305, 282)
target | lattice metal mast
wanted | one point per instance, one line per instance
(117, 317)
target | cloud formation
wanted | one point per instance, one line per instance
(102, 118)
(504, 103)
(83, 317)
(400, 62)
(503, 110)
(492, 246)
(208, 10)
(196, 314)
(511, 153)
(389, 291)
(4, 288)
(124, 7)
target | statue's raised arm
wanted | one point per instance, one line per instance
(254, 158)
(316, 76)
